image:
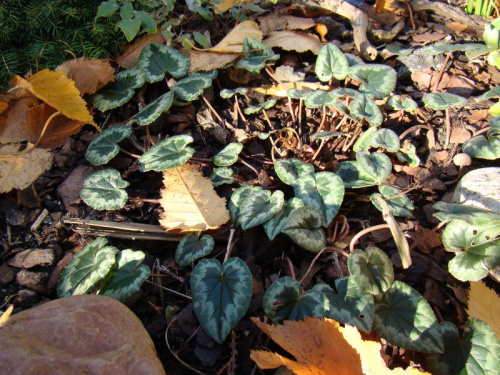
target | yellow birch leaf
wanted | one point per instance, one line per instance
(190, 202)
(323, 347)
(207, 61)
(293, 41)
(89, 75)
(17, 170)
(484, 304)
(233, 41)
(281, 89)
(58, 91)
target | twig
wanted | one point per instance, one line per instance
(249, 166)
(448, 127)
(312, 264)
(441, 71)
(410, 11)
(229, 248)
(271, 126)
(130, 154)
(255, 159)
(170, 290)
(212, 109)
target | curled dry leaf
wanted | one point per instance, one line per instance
(18, 170)
(89, 75)
(190, 202)
(323, 347)
(131, 54)
(13, 117)
(274, 22)
(207, 61)
(484, 304)
(293, 41)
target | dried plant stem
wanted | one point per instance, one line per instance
(448, 128)
(130, 153)
(249, 166)
(229, 248)
(410, 12)
(441, 71)
(170, 290)
(45, 127)
(290, 267)
(149, 136)
(365, 231)
(413, 128)
(212, 110)
(319, 149)
(271, 126)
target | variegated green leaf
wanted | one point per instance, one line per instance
(259, 207)
(326, 135)
(323, 190)
(378, 80)
(476, 352)
(105, 147)
(399, 206)
(154, 109)
(371, 271)
(353, 175)
(385, 138)
(89, 265)
(227, 93)
(483, 147)
(404, 318)
(363, 107)
(443, 100)
(290, 170)
(229, 155)
(331, 62)
(472, 215)
(127, 277)
(320, 98)
(191, 87)
(257, 55)
(166, 154)
(221, 176)
(221, 295)
(157, 59)
(104, 190)
(256, 108)
(192, 247)
(376, 165)
(285, 300)
(305, 227)
(353, 60)
(297, 94)
(237, 198)
(365, 139)
(402, 103)
(274, 226)
(409, 156)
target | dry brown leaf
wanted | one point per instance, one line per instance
(17, 170)
(132, 52)
(11, 120)
(90, 75)
(281, 89)
(293, 41)
(323, 347)
(274, 22)
(225, 5)
(432, 37)
(206, 61)
(190, 201)
(484, 304)
(460, 135)
(233, 41)
(384, 6)
(58, 91)
(59, 128)
(457, 27)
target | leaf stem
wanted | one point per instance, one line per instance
(129, 153)
(249, 166)
(229, 248)
(212, 109)
(365, 231)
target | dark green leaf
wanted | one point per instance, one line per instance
(364, 140)
(221, 295)
(257, 55)
(130, 27)
(107, 9)
(274, 225)
(156, 59)
(154, 109)
(331, 62)
(399, 206)
(326, 135)
(402, 103)
(126, 10)
(483, 147)
(385, 138)
(192, 247)
(378, 80)
(147, 21)
(409, 156)
(191, 87)
(353, 175)
(443, 100)
(229, 155)
(260, 207)
(226, 93)
(104, 147)
(166, 154)
(375, 165)
(237, 198)
(290, 170)
(470, 214)
(363, 107)
(221, 176)
(104, 190)
(256, 108)
(320, 98)
(305, 227)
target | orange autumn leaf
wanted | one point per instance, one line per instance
(58, 91)
(131, 54)
(323, 347)
(484, 304)
(89, 75)
(13, 117)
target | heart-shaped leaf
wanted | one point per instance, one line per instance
(363, 107)
(353, 59)
(257, 55)
(439, 48)
(147, 21)
(323, 190)
(298, 94)
(376, 165)
(331, 62)
(495, 92)
(476, 352)
(120, 91)
(347, 304)
(274, 226)
(89, 265)
(399, 206)
(256, 108)
(221, 176)
(409, 156)
(443, 100)
(166, 154)
(305, 227)
(157, 59)
(229, 155)
(365, 139)
(285, 300)
(226, 93)
(478, 244)
(154, 109)
(290, 170)
(192, 247)
(105, 147)
(107, 8)
(191, 87)
(387, 139)
(221, 295)
(405, 319)
(127, 277)
(472, 215)
(320, 98)
(104, 190)
(371, 271)
(402, 103)
(483, 147)
(237, 198)
(378, 80)
(130, 27)
(353, 175)
(259, 207)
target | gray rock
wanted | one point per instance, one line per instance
(7, 273)
(16, 218)
(33, 257)
(420, 60)
(31, 279)
(479, 188)
(69, 190)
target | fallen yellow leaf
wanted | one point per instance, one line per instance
(323, 347)
(58, 91)
(484, 304)
(190, 201)
(225, 5)
(206, 61)
(89, 75)
(293, 41)
(281, 89)
(18, 170)
(6, 315)
(233, 41)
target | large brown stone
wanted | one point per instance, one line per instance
(85, 334)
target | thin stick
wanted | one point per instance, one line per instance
(249, 166)
(212, 109)
(229, 248)
(441, 72)
(319, 149)
(311, 265)
(170, 290)
(130, 154)
(412, 19)
(448, 127)
(409, 130)
(238, 108)
(149, 135)
(255, 159)
(363, 232)
(290, 267)
(156, 201)
(268, 120)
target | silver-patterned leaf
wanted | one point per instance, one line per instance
(376, 165)
(227, 93)
(157, 59)
(385, 138)
(290, 170)
(256, 55)
(402, 103)
(191, 87)
(104, 190)
(470, 214)
(237, 198)
(378, 80)
(274, 226)
(154, 109)
(191, 247)
(166, 154)
(223, 175)
(331, 62)
(483, 147)
(320, 98)
(305, 227)
(353, 175)
(364, 107)
(104, 147)
(399, 206)
(259, 207)
(409, 156)
(364, 140)
(229, 155)
(443, 100)
(256, 108)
